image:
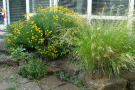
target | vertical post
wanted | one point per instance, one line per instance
(8, 12)
(27, 8)
(50, 3)
(56, 3)
(130, 13)
(4, 7)
(89, 10)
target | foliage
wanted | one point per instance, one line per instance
(20, 53)
(3, 54)
(35, 69)
(41, 32)
(106, 46)
(11, 88)
(75, 80)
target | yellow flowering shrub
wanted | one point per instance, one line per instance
(41, 32)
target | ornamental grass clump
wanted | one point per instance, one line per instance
(41, 32)
(104, 46)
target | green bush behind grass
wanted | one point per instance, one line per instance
(41, 32)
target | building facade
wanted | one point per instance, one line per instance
(90, 9)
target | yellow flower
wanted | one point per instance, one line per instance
(33, 37)
(32, 22)
(56, 17)
(50, 32)
(15, 37)
(42, 40)
(9, 40)
(10, 35)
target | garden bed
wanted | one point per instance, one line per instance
(92, 56)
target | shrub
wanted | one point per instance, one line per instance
(35, 69)
(20, 53)
(41, 32)
(105, 46)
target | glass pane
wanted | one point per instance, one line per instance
(17, 10)
(34, 4)
(1, 13)
(111, 7)
(77, 5)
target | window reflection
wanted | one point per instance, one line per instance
(111, 7)
(35, 4)
(77, 5)
(1, 16)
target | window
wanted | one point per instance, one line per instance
(1, 16)
(77, 5)
(111, 7)
(34, 4)
(90, 9)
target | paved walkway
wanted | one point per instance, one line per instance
(10, 79)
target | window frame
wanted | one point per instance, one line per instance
(89, 15)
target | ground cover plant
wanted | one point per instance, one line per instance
(11, 88)
(75, 80)
(20, 53)
(34, 69)
(40, 33)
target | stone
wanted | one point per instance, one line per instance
(105, 84)
(5, 51)
(51, 70)
(70, 68)
(67, 86)
(50, 82)
(29, 86)
(2, 47)
(7, 84)
(131, 86)
(2, 44)
(55, 63)
(7, 72)
(21, 80)
(9, 60)
(65, 65)
(128, 75)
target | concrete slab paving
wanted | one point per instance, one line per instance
(53, 83)
(67, 86)
(7, 84)
(50, 82)
(22, 80)
(7, 72)
(29, 86)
